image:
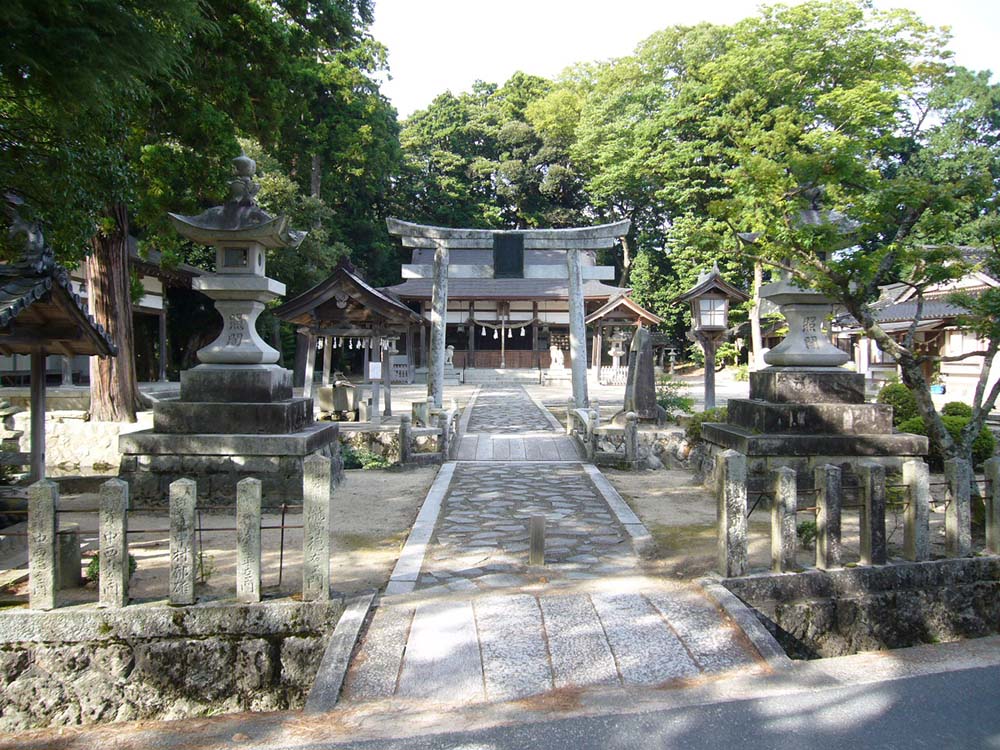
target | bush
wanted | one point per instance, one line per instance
(670, 397)
(741, 374)
(362, 458)
(693, 430)
(902, 401)
(806, 531)
(982, 447)
(94, 567)
(956, 409)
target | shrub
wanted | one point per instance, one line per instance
(741, 374)
(806, 531)
(902, 401)
(362, 458)
(669, 395)
(94, 567)
(693, 430)
(982, 447)
(956, 409)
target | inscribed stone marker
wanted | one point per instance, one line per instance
(248, 493)
(113, 523)
(316, 491)
(183, 496)
(42, 498)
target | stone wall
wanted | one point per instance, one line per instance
(834, 613)
(658, 449)
(86, 665)
(74, 443)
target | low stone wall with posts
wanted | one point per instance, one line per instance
(832, 611)
(626, 447)
(410, 444)
(119, 661)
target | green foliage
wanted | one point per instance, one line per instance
(902, 401)
(983, 446)
(93, 571)
(693, 430)
(741, 374)
(670, 396)
(806, 532)
(362, 458)
(956, 409)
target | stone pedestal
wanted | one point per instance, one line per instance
(806, 417)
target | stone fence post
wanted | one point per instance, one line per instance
(113, 534)
(405, 432)
(317, 489)
(873, 548)
(591, 446)
(570, 406)
(248, 494)
(784, 496)
(43, 496)
(958, 514)
(183, 498)
(632, 440)
(992, 471)
(827, 480)
(731, 515)
(444, 438)
(916, 519)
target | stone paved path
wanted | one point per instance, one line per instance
(478, 624)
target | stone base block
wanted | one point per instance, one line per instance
(807, 385)
(151, 461)
(217, 418)
(812, 419)
(236, 383)
(751, 443)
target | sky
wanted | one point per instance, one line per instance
(440, 45)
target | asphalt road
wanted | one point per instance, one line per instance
(947, 711)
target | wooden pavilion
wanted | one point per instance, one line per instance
(346, 312)
(41, 315)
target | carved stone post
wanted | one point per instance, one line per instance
(248, 494)
(784, 494)
(183, 497)
(43, 496)
(632, 440)
(992, 471)
(731, 515)
(916, 529)
(405, 432)
(316, 492)
(958, 514)
(827, 480)
(873, 546)
(113, 533)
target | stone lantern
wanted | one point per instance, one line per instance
(709, 299)
(236, 415)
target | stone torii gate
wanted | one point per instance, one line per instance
(573, 241)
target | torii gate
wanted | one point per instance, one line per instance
(572, 240)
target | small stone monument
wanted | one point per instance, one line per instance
(236, 415)
(640, 387)
(556, 359)
(617, 350)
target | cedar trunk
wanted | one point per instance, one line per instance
(114, 392)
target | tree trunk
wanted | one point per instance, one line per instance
(626, 261)
(756, 338)
(315, 176)
(114, 392)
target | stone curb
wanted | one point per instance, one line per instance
(642, 540)
(747, 621)
(463, 423)
(548, 414)
(404, 576)
(325, 691)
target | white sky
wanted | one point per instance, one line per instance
(439, 45)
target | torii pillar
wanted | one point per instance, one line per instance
(577, 331)
(439, 323)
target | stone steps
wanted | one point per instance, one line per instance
(508, 646)
(487, 376)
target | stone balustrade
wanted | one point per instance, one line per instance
(43, 541)
(828, 493)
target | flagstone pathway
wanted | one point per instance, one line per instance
(465, 619)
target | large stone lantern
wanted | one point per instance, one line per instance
(236, 415)
(709, 298)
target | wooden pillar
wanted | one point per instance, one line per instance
(439, 324)
(327, 359)
(577, 330)
(37, 416)
(411, 360)
(162, 323)
(534, 336)
(307, 382)
(470, 359)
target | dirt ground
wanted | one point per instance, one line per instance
(371, 515)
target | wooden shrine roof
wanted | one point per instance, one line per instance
(627, 305)
(345, 299)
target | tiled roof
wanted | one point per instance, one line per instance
(473, 289)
